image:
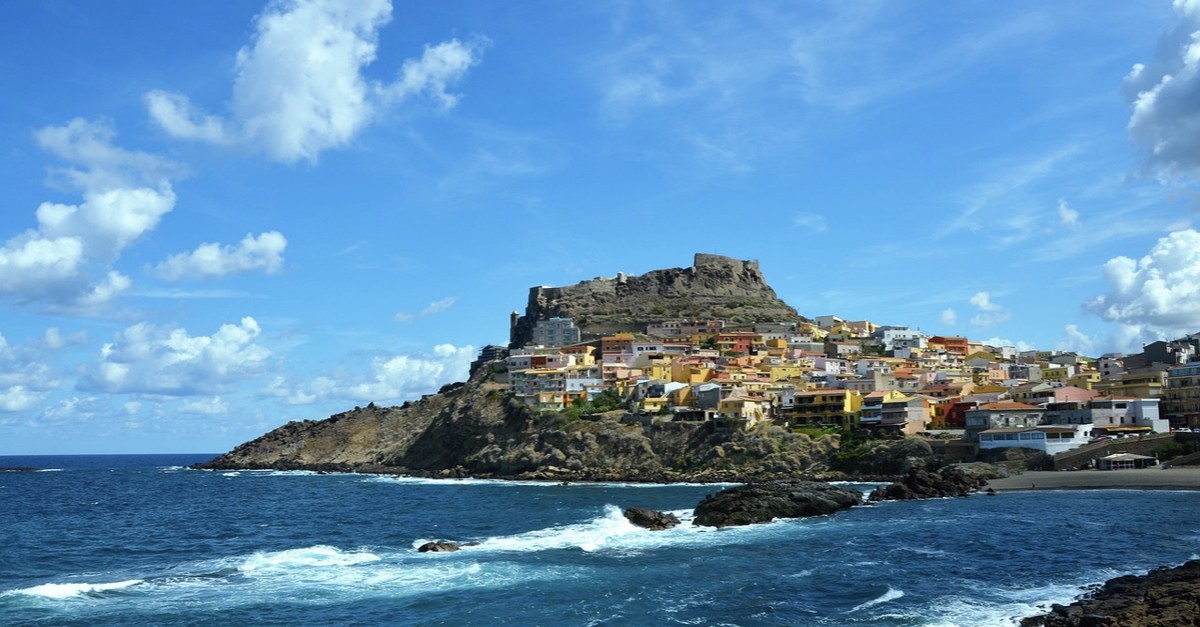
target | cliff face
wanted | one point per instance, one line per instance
(715, 287)
(476, 429)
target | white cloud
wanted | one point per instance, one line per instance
(811, 222)
(435, 307)
(399, 377)
(150, 359)
(1156, 296)
(949, 317)
(264, 252)
(299, 88)
(292, 395)
(990, 313)
(1020, 345)
(1066, 215)
(66, 261)
(1077, 341)
(19, 398)
(983, 302)
(1164, 97)
(206, 406)
(25, 379)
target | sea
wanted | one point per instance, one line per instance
(144, 540)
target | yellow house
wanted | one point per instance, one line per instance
(661, 368)
(1055, 373)
(827, 407)
(1084, 380)
(654, 404)
(745, 406)
(784, 373)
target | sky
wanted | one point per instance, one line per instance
(222, 216)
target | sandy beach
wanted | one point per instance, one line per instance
(1146, 479)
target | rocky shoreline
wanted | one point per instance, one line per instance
(1163, 597)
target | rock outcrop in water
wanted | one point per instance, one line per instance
(764, 502)
(651, 519)
(715, 287)
(956, 480)
(1164, 597)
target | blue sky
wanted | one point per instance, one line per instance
(221, 216)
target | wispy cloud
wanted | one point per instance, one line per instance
(436, 307)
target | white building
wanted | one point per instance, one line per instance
(1049, 439)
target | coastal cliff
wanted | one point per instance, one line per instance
(476, 429)
(715, 287)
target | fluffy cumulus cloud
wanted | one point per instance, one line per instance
(1077, 341)
(392, 378)
(949, 317)
(404, 376)
(148, 359)
(25, 379)
(1155, 296)
(299, 86)
(263, 253)
(1165, 96)
(988, 312)
(66, 259)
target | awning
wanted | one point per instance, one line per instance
(1126, 429)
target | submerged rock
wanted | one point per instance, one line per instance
(651, 519)
(764, 502)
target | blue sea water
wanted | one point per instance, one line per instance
(141, 540)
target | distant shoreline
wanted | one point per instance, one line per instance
(1187, 478)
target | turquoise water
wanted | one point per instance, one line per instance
(141, 540)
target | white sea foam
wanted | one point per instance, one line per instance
(72, 590)
(891, 595)
(319, 556)
(469, 481)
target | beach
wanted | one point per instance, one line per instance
(1156, 478)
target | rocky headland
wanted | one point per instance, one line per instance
(475, 429)
(715, 287)
(1164, 597)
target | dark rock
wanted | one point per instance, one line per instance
(439, 546)
(764, 502)
(919, 484)
(651, 519)
(714, 287)
(19, 469)
(1164, 597)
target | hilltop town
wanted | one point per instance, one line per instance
(606, 378)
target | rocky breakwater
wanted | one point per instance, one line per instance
(764, 502)
(715, 287)
(1164, 597)
(955, 480)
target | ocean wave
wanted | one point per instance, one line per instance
(319, 556)
(891, 595)
(71, 590)
(471, 481)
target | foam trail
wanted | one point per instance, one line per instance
(319, 556)
(71, 590)
(891, 595)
